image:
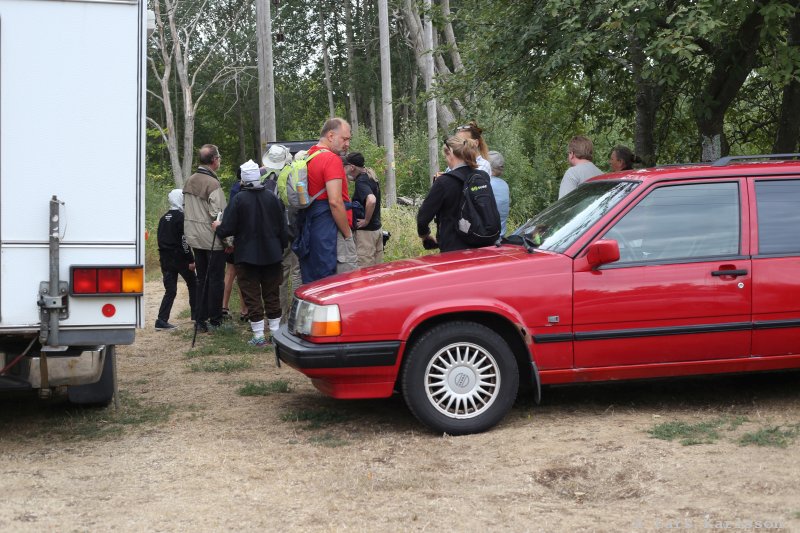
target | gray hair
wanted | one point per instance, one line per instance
(496, 161)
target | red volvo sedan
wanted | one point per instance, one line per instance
(641, 274)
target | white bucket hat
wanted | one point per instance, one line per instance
(277, 157)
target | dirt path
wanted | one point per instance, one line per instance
(210, 459)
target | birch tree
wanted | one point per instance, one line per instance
(185, 40)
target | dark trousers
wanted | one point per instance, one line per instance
(211, 265)
(261, 289)
(170, 278)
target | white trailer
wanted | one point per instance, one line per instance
(72, 93)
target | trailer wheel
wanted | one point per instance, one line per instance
(100, 393)
(460, 378)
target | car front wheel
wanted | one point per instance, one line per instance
(460, 378)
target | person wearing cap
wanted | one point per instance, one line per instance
(256, 220)
(277, 157)
(369, 236)
(500, 188)
(328, 243)
(176, 259)
(204, 201)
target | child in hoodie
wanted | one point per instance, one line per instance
(176, 259)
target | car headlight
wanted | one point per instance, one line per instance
(318, 320)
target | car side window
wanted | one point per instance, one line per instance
(681, 222)
(778, 216)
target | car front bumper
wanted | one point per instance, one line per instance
(343, 370)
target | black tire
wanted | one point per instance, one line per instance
(97, 394)
(446, 397)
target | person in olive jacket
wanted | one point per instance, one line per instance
(255, 218)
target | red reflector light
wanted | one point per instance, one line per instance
(109, 280)
(84, 281)
(109, 310)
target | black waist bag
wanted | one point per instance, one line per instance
(478, 217)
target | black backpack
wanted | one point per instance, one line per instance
(478, 217)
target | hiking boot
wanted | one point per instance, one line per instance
(259, 342)
(163, 325)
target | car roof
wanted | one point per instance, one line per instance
(735, 166)
(294, 146)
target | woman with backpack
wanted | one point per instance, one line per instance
(444, 200)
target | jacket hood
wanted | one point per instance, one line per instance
(176, 199)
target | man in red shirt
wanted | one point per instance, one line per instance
(327, 221)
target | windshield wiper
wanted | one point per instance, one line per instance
(523, 240)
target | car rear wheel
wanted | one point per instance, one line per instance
(460, 378)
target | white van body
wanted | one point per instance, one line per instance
(72, 93)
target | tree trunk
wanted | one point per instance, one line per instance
(386, 101)
(266, 81)
(174, 43)
(732, 63)
(450, 37)
(170, 127)
(648, 100)
(433, 133)
(351, 57)
(240, 123)
(373, 120)
(415, 31)
(788, 135)
(326, 64)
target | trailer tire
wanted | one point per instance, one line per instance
(97, 394)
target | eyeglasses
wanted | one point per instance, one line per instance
(464, 128)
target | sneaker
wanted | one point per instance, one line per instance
(163, 325)
(259, 342)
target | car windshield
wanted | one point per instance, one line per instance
(561, 224)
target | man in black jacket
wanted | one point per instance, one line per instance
(176, 259)
(256, 221)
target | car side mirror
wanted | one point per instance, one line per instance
(602, 252)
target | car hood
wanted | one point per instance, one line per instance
(403, 271)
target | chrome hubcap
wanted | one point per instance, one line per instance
(462, 380)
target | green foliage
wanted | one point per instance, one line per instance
(706, 432)
(775, 436)
(262, 388)
(316, 418)
(157, 187)
(69, 423)
(226, 366)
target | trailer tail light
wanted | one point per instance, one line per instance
(106, 280)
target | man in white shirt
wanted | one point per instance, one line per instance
(581, 168)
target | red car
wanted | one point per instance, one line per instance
(640, 274)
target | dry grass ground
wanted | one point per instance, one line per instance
(187, 452)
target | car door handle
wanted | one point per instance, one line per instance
(734, 273)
